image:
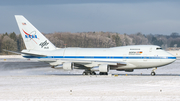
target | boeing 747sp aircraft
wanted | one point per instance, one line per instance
(125, 58)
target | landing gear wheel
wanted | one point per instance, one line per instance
(93, 73)
(153, 73)
(103, 73)
(84, 73)
(89, 73)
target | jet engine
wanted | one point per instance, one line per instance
(68, 66)
(104, 68)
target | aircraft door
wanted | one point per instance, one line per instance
(124, 57)
(150, 50)
(145, 57)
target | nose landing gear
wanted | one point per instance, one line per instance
(153, 71)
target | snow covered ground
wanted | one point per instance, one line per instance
(26, 80)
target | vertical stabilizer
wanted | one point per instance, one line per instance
(33, 39)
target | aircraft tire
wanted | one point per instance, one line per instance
(153, 73)
(103, 73)
(84, 73)
(88, 73)
(93, 73)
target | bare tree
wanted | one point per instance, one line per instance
(9, 44)
(139, 39)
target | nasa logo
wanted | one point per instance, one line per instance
(42, 44)
(31, 36)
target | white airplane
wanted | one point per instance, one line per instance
(125, 58)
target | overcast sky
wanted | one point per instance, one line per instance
(122, 16)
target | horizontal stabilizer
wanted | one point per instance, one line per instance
(26, 53)
(12, 51)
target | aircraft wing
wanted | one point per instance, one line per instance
(99, 62)
(84, 64)
(92, 63)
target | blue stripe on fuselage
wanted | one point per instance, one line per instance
(101, 57)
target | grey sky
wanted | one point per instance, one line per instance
(122, 16)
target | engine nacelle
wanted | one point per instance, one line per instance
(58, 66)
(104, 68)
(68, 66)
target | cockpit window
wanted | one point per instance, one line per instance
(159, 48)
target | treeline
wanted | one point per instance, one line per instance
(14, 42)
(11, 42)
(109, 39)
(89, 39)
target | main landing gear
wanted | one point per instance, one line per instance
(103, 73)
(153, 71)
(88, 72)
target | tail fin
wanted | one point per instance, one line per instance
(33, 39)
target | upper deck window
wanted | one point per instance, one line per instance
(159, 48)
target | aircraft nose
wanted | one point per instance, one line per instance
(173, 58)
